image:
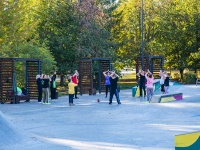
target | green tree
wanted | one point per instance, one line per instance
(72, 30)
(18, 22)
(58, 30)
(127, 30)
(94, 37)
(179, 34)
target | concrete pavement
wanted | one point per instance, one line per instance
(133, 125)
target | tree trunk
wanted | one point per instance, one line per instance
(62, 80)
(181, 72)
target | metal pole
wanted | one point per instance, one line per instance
(142, 32)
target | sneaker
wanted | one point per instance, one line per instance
(71, 104)
(47, 103)
(110, 102)
(119, 103)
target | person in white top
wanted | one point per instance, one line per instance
(149, 85)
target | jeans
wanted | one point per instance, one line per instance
(142, 86)
(166, 89)
(107, 88)
(76, 91)
(71, 97)
(39, 94)
(116, 93)
(149, 94)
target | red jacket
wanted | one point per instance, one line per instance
(74, 79)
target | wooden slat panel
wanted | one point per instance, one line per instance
(32, 71)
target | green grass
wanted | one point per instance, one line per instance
(128, 76)
(126, 85)
(127, 81)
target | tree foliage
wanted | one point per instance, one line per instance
(18, 29)
(171, 30)
(62, 31)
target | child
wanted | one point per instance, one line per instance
(71, 91)
(149, 85)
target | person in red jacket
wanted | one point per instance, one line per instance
(74, 79)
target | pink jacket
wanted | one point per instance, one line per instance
(149, 81)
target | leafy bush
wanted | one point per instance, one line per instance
(177, 77)
(189, 78)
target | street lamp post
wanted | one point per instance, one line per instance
(142, 32)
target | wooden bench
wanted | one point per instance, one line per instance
(10, 97)
(15, 99)
(22, 97)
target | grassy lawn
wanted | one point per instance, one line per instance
(127, 81)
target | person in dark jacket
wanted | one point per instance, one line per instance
(114, 87)
(141, 74)
(45, 87)
(53, 86)
(166, 83)
(39, 86)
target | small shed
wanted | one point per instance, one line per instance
(8, 75)
(91, 76)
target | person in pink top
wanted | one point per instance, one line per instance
(149, 85)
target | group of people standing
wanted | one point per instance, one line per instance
(44, 82)
(111, 79)
(146, 82)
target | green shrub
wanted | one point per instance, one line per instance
(177, 77)
(189, 78)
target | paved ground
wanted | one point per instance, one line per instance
(90, 125)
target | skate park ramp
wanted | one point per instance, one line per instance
(190, 141)
(9, 135)
(175, 93)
